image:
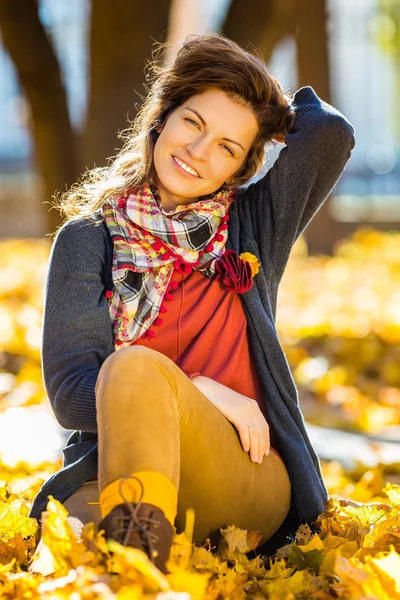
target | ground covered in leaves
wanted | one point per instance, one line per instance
(338, 319)
(339, 322)
(355, 553)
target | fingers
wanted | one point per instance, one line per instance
(254, 443)
(267, 443)
(257, 443)
(250, 442)
(245, 438)
(254, 439)
(263, 446)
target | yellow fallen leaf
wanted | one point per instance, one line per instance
(204, 559)
(390, 565)
(130, 592)
(315, 544)
(194, 584)
(125, 558)
(237, 541)
(12, 521)
(346, 549)
(280, 588)
(393, 492)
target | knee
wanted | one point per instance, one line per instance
(126, 364)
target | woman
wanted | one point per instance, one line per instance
(159, 343)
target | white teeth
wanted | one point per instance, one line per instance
(186, 167)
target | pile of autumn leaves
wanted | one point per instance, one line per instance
(354, 554)
(339, 321)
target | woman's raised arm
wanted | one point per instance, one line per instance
(77, 334)
(283, 202)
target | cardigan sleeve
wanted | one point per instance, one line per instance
(281, 204)
(76, 333)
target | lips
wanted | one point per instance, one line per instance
(186, 163)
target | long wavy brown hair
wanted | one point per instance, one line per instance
(203, 62)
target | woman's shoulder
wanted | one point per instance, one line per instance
(81, 244)
(84, 232)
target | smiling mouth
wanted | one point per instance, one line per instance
(185, 168)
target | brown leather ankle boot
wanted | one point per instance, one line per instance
(140, 525)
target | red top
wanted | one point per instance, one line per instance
(205, 330)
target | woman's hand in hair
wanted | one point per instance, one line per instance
(239, 410)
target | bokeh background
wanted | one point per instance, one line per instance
(72, 73)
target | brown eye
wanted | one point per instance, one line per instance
(229, 150)
(191, 121)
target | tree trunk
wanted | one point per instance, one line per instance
(261, 23)
(39, 75)
(122, 37)
(314, 69)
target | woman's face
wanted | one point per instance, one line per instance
(201, 145)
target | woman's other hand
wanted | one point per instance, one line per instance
(239, 410)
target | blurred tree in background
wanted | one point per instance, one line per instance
(266, 24)
(122, 37)
(387, 33)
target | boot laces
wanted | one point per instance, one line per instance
(136, 522)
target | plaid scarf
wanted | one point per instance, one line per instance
(149, 244)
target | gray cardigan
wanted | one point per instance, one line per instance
(266, 219)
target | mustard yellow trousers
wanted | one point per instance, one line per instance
(151, 417)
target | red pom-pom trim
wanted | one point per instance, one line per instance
(157, 245)
(108, 294)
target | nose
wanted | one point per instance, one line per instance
(199, 148)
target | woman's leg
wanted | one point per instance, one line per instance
(152, 419)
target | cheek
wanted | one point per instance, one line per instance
(224, 170)
(156, 153)
(162, 145)
(172, 135)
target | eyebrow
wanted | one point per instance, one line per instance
(204, 123)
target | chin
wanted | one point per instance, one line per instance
(175, 186)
